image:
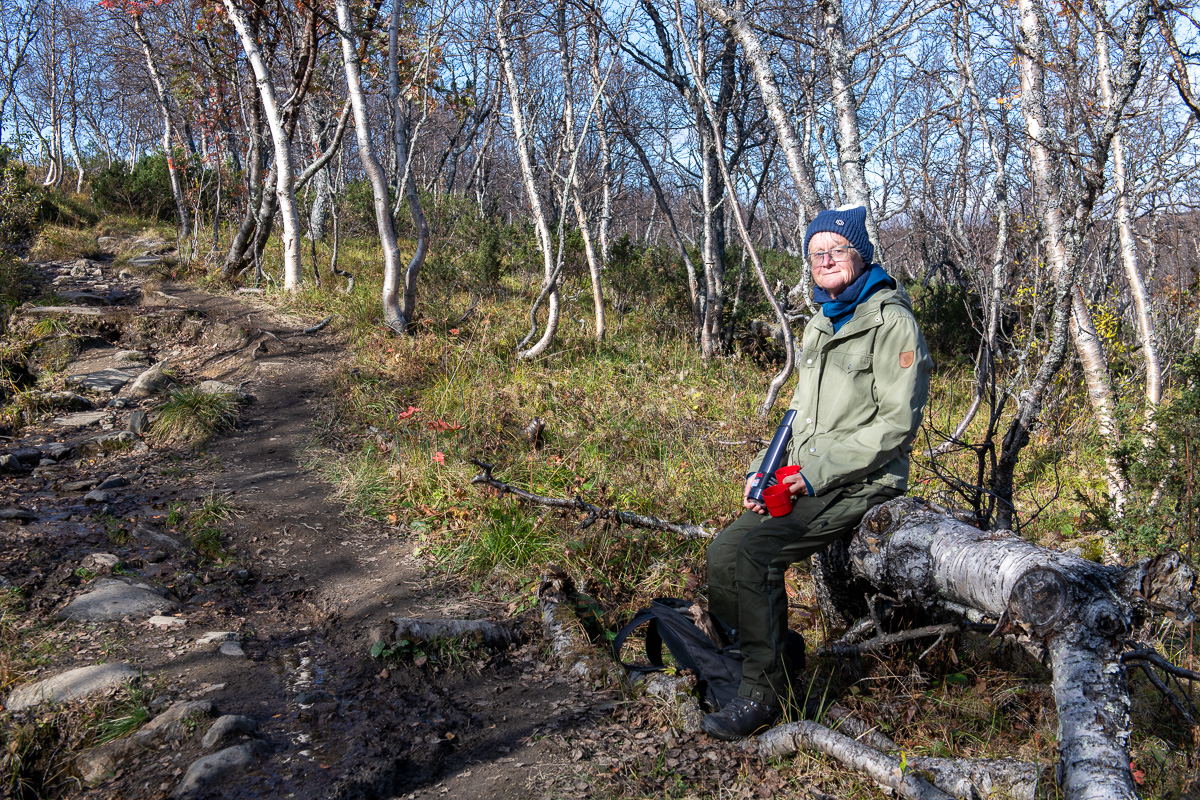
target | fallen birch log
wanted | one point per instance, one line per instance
(569, 643)
(1079, 610)
(484, 631)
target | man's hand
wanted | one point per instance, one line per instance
(753, 505)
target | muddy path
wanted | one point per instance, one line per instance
(279, 630)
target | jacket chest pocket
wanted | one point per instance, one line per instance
(848, 378)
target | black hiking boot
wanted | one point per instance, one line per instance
(739, 719)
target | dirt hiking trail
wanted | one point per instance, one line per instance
(256, 665)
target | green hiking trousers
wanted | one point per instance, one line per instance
(746, 565)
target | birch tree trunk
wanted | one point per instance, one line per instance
(164, 104)
(573, 187)
(393, 316)
(400, 143)
(602, 135)
(1063, 255)
(320, 120)
(851, 163)
(545, 243)
(1129, 253)
(285, 178)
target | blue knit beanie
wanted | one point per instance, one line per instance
(847, 221)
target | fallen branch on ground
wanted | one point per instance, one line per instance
(887, 639)
(593, 512)
(916, 778)
(484, 631)
(320, 325)
(784, 740)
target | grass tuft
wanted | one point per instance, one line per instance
(192, 416)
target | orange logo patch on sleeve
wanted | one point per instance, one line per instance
(906, 359)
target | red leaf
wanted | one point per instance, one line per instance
(406, 414)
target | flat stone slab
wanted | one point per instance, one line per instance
(216, 637)
(86, 298)
(71, 685)
(232, 649)
(106, 380)
(145, 261)
(113, 600)
(82, 419)
(216, 768)
(56, 451)
(166, 622)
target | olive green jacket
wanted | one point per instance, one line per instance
(859, 396)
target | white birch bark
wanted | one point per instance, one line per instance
(573, 186)
(851, 163)
(285, 173)
(1049, 183)
(1078, 608)
(1128, 245)
(401, 142)
(392, 314)
(731, 198)
(164, 104)
(602, 137)
(545, 243)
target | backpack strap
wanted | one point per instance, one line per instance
(653, 641)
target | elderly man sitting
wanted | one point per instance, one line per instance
(863, 378)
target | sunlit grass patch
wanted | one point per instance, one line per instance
(191, 416)
(58, 242)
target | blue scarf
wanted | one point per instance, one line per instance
(842, 309)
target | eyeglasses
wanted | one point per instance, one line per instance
(837, 254)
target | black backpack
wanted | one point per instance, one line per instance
(716, 665)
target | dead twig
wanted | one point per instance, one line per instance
(1166, 692)
(1154, 658)
(887, 639)
(593, 512)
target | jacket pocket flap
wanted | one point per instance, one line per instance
(851, 362)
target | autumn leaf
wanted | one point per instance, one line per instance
(406, 414)
(1139, 776)
(439, 457)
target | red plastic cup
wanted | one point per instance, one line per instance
(783, 472)
(778, 500)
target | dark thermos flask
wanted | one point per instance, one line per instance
(774, 455)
